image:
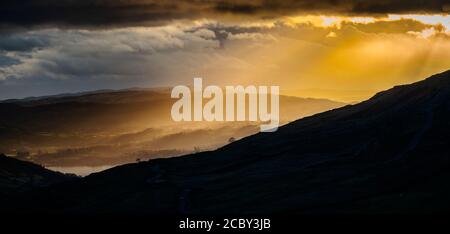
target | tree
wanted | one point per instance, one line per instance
(231, 140)
(197, 149)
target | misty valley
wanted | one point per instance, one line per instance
(75, 132)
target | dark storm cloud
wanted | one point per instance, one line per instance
(84, 12)
(334, 6)
(96, 13)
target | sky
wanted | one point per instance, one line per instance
(339, 49)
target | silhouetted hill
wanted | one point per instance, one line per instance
(18, 176)
(388, 154)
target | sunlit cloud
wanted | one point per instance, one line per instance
(428, 19)
(297, 51)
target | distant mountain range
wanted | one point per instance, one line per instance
(111, 127)
(389, 154)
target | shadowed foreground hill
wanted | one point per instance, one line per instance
(19, 176)
(388, 154)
